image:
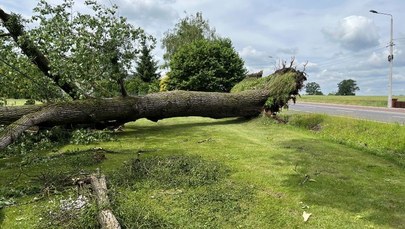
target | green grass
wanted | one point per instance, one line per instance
(375, 101)
(17, 102)
(230, 173)
(382, 139)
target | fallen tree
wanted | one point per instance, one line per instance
(250, 98)
(270, 93)
(124, 109)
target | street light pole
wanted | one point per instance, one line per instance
(390, 57)
(391, 60)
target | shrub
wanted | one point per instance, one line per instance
(135, 86)
(87, 136)
(206, 65)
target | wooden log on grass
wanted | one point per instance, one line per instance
(106, 218)
(124, 109)
(250, 98)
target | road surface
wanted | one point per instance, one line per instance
(393, 115)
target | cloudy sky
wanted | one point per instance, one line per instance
(340, 39)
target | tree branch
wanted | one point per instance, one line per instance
(16, 30)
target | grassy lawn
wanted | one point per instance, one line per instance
(229, 173)
(17, 102)
(375, 101)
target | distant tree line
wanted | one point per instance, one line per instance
(345, 87)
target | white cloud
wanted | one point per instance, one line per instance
(311, 67)
(149, 14)
(399, 57)
(250, 52)
(256, 60)
(376, 59)
(354, 33)
(288, 51)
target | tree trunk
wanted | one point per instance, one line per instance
(153, 106)
(9, 115)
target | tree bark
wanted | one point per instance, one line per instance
(9, 115)
(106, 218)
(16, 30)
(124, 109)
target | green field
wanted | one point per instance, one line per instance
(229, 173)
(17, 102)
(375, 101)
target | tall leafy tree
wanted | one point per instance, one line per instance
(206, 65)
(187, 30)
(313, 88)
(347, 87)
(88, 53)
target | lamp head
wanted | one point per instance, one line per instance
(373, 11)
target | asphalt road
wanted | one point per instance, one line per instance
(393, 115)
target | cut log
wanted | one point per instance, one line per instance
(99, 185)
(106, 218)
(124, 109)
